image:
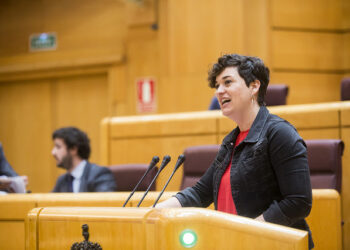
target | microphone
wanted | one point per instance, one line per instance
(179, 162)
(153, 162)
(165, 162)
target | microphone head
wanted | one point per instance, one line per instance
(165, 161)
(180, 160)
(155, 160)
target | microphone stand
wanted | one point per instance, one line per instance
(165, 161)
(179, 162)
(153, 162)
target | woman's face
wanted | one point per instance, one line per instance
(232, 92)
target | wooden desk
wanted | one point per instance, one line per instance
(324, 220)
(147, 228)
(15, 207)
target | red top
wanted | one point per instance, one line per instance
(225, 200)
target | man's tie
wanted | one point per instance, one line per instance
(70, 183)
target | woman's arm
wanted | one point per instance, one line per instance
(288, 156)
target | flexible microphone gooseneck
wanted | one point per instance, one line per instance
(165, 161)
(153, 162)
(179, 162)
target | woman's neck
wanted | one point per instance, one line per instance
(246, 119)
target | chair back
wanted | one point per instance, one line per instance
(198, 160)
(276, 94)
(128, 175)
(325, 163)
(345, 89)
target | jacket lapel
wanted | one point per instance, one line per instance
(84, 178)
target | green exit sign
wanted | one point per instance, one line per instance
(43, 41)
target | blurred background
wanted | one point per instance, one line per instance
(99, 49)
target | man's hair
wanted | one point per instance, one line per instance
(249, 68)
(74, 137)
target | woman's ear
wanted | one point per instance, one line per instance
(255, 86)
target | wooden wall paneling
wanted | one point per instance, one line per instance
(312, 14)
(142, 61)
(309, 87)
(307, 51)
(198, 34)
(310, 116)
(184, 93)
(256, 29)
(14, 28)
(191, 37)
(117, 90)
(326, 234)
(326, 133)
(25, 130)
(100, 230)
(104, 141)
(164, 125)
(84, 29)
(141, 13)
(345, 132)
(13, 210)
(345, 115)
(12, 235)
(347, 52)
(346, 14)
(97, 199)
(82, 102)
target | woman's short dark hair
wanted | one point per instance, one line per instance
(249, 68)
(74, 137)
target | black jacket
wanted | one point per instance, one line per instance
(269, 174)
(94, 179)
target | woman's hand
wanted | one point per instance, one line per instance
(169, 203)
(260, 218)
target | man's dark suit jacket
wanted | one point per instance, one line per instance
(5, 167)
(94, 179)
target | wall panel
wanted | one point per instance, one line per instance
(193, 93)
(346, 187)
(12, 241)
(347, 52)
(198, 33)
(309, 87)
(81, 102)
(83, 28)
(293, 50)
(25, 130)
(311, 14)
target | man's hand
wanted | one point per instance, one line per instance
(25, 179)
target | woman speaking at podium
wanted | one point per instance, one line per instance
(261, 170)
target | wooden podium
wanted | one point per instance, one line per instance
(148, 228)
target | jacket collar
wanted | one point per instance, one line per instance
(84, 178)
(255, 130)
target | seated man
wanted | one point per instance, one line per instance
(10, 182)
(71, 151)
